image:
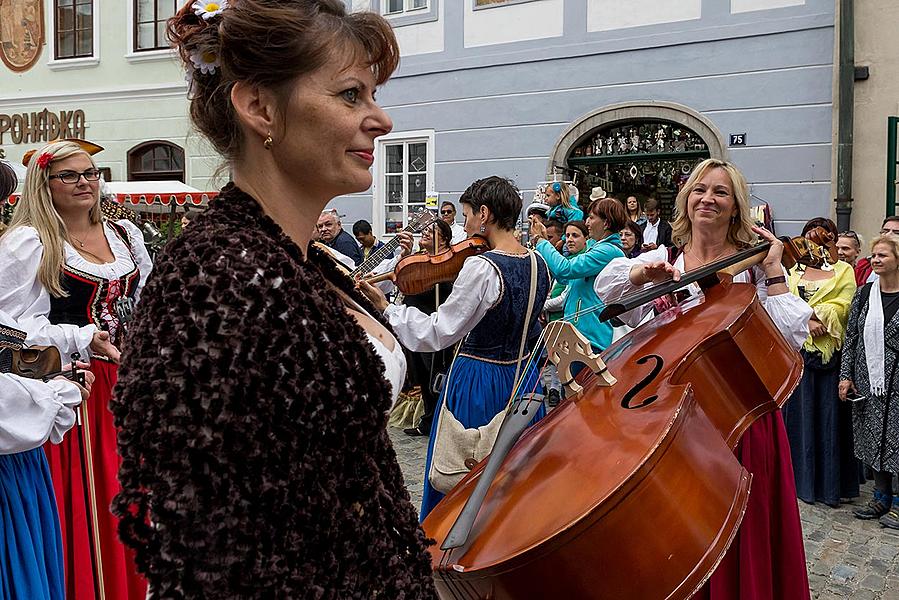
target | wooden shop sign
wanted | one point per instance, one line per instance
(43, 126)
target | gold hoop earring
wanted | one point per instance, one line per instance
(268, 143)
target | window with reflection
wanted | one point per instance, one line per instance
(74, 28)
(150, 17)
(156, 160)
(402, 7)
(405, 181)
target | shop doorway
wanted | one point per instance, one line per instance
(636, 149)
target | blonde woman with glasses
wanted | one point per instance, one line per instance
(71, 278)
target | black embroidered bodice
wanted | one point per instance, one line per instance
(497, 337)
(94, 300)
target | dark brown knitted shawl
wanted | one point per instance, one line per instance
(253, 413)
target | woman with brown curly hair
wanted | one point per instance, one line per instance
(253, 397)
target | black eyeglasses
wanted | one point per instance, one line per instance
(446, 212)
(849, 233)
(71, 177)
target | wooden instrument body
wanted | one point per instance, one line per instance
(418, 273)
(630, 491)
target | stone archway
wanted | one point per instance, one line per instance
(644, 149)
(631, 111)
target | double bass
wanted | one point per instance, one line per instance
(631, 489)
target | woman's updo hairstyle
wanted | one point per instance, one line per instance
(269, 43)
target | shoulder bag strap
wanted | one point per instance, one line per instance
(527, 318)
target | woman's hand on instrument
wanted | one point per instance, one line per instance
(375, 295)
(537, 230)
(88, 379)
(845, 387)
(406, 242)
(653, 272)
(775, 252)
(101, 345)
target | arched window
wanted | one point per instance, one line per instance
(157, 160)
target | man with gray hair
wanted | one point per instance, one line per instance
(333, 235)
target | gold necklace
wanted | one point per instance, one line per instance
(725, 252)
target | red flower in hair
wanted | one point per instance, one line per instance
(43, 161)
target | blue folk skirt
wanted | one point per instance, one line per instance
(476, 391)
(31, 566)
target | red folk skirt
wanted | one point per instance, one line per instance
(766, 560)
(97, 565)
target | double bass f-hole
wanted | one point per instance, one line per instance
(631, 393)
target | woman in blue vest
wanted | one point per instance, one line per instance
(486, 311)
(606, 217)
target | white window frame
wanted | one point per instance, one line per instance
(60, 64)
(379, 205)
(138, 56)
(408, 8)
(424, 14)
(474, 4)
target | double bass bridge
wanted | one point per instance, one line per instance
(565, 346)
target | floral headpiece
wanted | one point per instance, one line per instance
(205, 60)
(208, 9)
(44, 160)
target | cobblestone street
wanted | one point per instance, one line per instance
(847, 558)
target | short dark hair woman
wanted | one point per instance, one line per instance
(631, 239)
(487, 308)
(818, 424)
(255, 387)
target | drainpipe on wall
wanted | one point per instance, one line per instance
(846, 99)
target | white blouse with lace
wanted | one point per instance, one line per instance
(789, 313)
(24, 299)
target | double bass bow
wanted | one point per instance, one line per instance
(631, 489)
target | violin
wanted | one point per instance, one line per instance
(418, 273)
(630, 489)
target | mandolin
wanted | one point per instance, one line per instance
(418, 220)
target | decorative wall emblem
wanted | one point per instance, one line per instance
(21, 33)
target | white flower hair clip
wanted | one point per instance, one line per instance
(205, 61)
(208, 8)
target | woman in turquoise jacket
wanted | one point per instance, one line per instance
(563, 206)
(605, 219)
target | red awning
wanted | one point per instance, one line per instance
(166, 199)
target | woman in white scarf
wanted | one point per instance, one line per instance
(868, 377)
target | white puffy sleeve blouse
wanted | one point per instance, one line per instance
(475, 291)
(789, 313)
(27, 302)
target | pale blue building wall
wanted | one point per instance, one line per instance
(500, 108)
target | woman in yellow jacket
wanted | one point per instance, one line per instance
(818, 424)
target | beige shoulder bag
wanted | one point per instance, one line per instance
(457, 448)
